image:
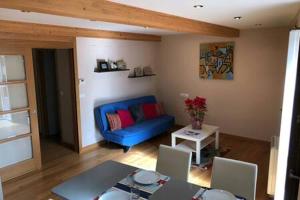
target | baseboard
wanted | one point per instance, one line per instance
(246, 138)
(91, 147)
(233, 135)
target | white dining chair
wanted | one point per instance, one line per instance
(234, 176)
(1, 191)
(173, 162)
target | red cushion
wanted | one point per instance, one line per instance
(150, 111)
(126, 118)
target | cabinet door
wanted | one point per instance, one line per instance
(19, 137)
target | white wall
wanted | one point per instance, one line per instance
(248, 106)
(99, 88)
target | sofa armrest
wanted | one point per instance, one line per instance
(98, 119)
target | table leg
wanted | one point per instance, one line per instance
(198, 152)
(217, 140)
(173, 141)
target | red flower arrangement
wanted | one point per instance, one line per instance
(196, 108)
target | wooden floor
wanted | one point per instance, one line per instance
(59, 164)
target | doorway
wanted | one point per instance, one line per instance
(56, 100)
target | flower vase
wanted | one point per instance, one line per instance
(197, 124)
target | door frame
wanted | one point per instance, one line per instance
(41, 103)
(48, 43)
(287, 113)
(293, 161)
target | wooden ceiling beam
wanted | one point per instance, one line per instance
(32, 31)
(107, 11)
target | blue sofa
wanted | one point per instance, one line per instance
(137, 133)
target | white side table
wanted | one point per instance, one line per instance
(195, 140)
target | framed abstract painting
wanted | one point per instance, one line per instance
(216, 61)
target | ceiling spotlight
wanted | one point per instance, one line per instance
(198, 6)
(237, 18)
(25, 11)
(258, 24)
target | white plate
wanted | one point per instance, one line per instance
(215, 194)
(118, 195)
(145, 177)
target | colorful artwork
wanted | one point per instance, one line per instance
(216, 61)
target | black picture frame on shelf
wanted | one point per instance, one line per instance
(102, 65)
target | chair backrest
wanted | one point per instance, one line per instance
(1, 191)
(234, 176)
(174, 162)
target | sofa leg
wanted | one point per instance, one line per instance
(126, 149)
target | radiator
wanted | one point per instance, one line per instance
(273, 165)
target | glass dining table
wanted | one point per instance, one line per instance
(91, 183)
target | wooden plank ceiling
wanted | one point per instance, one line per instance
(107, 11)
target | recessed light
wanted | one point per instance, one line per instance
(237, 18)
(198, 6)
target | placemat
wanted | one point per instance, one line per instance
(145, 190)
(196, 196)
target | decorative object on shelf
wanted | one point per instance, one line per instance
(131, 74)
(138, 71)
(112, 65)
(147, 71)
(216, 61)
(121, 64)
(196, 108)
(102, 65)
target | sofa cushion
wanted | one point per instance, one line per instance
(137, 113)
(100, 111)
(126, 118)
(150, 111)
(142, 131)
(160, 109)
(114, 121)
